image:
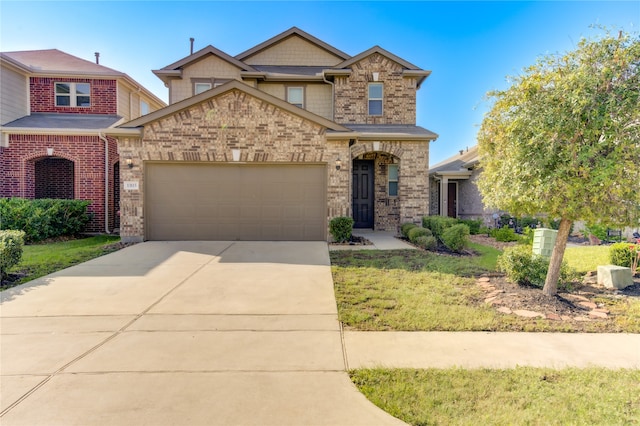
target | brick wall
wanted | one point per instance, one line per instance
(399, 95)
(18, 174)
(103, 96)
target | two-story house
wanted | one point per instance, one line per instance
(54, 110)
(272, 143)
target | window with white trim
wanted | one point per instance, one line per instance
(295, 96)
(375, 98)
(200, 87)
(73, 94)
(144, 108)
(393, 179)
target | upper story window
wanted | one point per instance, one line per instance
(201, 87)
(144, 108)
(375, 98)
(73, 94)
(393, 180)
(295, 96)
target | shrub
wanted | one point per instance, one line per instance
(427, 242)
(523, 267)
(340, 228)
(11, 243)
(595, 229)
(504, 234)
(622, 254)
(473, 224)
(456, 237)
(44, 218)
(416, 232)
(438, 224)
(406, 227)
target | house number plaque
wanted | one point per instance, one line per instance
(131, 185)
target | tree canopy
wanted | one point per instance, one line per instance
(564, 138)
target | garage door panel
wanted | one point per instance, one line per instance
(196, 201)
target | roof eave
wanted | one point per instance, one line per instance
(368, 136)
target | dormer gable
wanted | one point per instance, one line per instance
(293, 47)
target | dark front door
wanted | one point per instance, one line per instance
(363, 193)
(452, 196)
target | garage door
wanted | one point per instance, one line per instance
(196, 201)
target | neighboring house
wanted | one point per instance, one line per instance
(55, 108)
(272, 143)
(453, 190)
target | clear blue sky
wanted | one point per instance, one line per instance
(470, 47)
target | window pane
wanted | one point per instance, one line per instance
(393, 188)
(144, 108)
(62, 88)
(201, 87)
(63, 100)
(295, 95)
(83, 101)
(375, 91)
(375, 107)
(393, 172)
(83, 89)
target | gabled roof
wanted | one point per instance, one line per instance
(291, 32)
(54, 61)
(174, 69)
(227, 87)
(459, 162)
(409, 68)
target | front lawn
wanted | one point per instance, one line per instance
(416, 290)
(42, 259)
(524, 395)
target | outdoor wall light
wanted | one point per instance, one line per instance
(129, 162)
(49, 152)
(338, 164)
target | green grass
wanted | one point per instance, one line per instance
(520, 396)
(42, 259)
(416, 290)
(587, 258)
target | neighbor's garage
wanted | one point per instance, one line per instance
(261, 202)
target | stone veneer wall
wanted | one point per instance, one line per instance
(208, 132)
(399, 96)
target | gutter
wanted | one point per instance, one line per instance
(333, 96)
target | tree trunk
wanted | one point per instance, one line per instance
(553, 274)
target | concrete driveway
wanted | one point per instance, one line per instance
(181, 333)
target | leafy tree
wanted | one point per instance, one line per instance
(564, 140)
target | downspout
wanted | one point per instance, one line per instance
(333, 95)
(106, 182)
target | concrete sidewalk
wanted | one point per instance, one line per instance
(182, 333)
(380, 240)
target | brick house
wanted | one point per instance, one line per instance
(453, 190)
(54, 112)
(272, 143)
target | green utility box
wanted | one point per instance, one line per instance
(543, 241)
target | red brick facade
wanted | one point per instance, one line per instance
(18, 176)
(104, 99)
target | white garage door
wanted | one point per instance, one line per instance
(229, 202)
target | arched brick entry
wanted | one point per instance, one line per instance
(54, 178)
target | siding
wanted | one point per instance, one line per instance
(209, 67)
(293, 51)
(14, 102)
(317, 96)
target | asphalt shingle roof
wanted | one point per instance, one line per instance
(64, 121)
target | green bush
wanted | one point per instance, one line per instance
(340, 228)
(44, 218)
(416, 232)
(523, 267)
(504, 234)
(406, 227)
(456, 237)
(473, 224)
(622, 254)
(11, 243)
(438, 224)
(595, 229)
(427, 242)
